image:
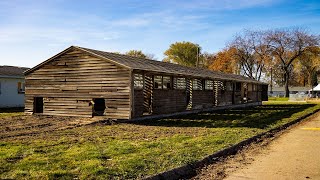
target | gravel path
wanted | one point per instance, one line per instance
(292, 154)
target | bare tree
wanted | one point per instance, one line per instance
(151, 56)
(251, 53)
(287, 46)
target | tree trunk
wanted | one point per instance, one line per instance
(286, 83)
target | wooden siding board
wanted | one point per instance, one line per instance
(168, 101)
(72, 80)
(203, 99)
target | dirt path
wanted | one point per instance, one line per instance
(293, 155)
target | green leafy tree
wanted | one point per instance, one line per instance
(140, 54)
(184, 53)
(136, 53)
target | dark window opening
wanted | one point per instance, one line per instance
(238, 86)
(99, 106)
(168, 86)
(166, 82)
(38, 105)
(21, 88)
(158, 82)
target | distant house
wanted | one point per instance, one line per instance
(12, 86)
(279, 91)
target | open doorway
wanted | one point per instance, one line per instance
(38, 105)
(99, 107)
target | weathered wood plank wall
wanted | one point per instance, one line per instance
(138, 103)
(225, 98)
(169, 101)
(71, 81)
(202, 99)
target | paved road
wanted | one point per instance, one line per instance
(294, 155)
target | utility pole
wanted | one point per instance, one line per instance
(197, 64)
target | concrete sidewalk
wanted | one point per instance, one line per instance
(293, 155)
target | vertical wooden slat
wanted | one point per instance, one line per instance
(131, 104)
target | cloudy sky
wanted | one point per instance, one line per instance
(33, 31)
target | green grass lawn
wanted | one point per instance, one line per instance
(278, 98)
(11, 112)
(129, 151)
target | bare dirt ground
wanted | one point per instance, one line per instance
(291, 154)
(24, 125)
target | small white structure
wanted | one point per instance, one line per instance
(315, 92)
(279, 91)
(12, 86)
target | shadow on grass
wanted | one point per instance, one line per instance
(11, 110)
(253, 117)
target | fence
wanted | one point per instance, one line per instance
(298, 97)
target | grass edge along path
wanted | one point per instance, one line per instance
(190, 170)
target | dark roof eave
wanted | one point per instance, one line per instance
(203, 77)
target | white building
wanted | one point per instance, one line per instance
(279, 91)
(12, 86)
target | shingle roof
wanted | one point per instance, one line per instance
(166, 67)
(12, 71)
(136, 63)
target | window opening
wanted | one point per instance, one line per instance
(157, 82)
(166, 82)
(138, 81)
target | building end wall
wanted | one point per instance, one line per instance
(9, 96)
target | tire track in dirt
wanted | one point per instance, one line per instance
(25, 125)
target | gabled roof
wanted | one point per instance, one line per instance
(135, 63)
(12, 71)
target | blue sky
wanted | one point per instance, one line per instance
(33, 31)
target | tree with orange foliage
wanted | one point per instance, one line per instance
(222, 61)
(309, 63)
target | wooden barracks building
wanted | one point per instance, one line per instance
(85, 82)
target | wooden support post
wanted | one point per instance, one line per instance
(233, 92)
(216, 89)
(189, 90)
(131, 114)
